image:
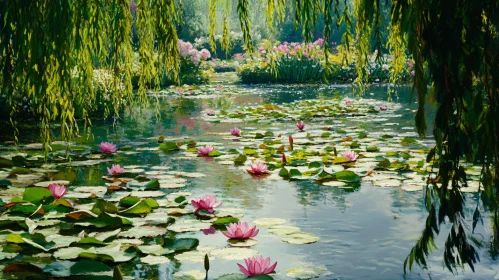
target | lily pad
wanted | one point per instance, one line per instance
(300, 238)
(283, 230)
(269, 222)
(234, 253)
(154, 260)
(307, 272)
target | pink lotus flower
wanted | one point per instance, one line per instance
(235, 132)
(413, 73)
(58, 191)
(240, 231)
(256, 266)
(350, 155)
(383, 108)
(209, 231)
(258, 168)
(115, 170)
(349, 102)
(284, 160)
(206, 150)
(300, 125)
(211, 113)
(107, 148)
(206, 202)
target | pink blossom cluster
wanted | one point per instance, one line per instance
(311, 51)
(187, 51)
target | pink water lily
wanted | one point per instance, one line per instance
(211, 113)
(284, 160)
(206, 150)
(413, 73)
(258, 168)
(240, 231)
(207, 202)
(383, 108)
(300, 125)
(115, 170)
(58, 191)
(256, 266)
(235, 132)
(219, 87)
(351, 155)
(107, 147)
(349, 102)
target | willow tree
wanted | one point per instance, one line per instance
(49, 49)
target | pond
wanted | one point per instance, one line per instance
(360, 228)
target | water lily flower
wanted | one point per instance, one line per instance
(350, 155)
(305, 54)
(284, 160)
(413, 73)
(258, 168)
(290, 138)
(385, 67)
(219, 87)
(409, 63)
(383, 108)
(240, 231)
(235, 132)
(115, 170)
(256, 266)
(206, 150)
(211, 113)
(206, 202)
(349, 102)
(300, 125)
(107, 147)
(209, 231)
(58, 191)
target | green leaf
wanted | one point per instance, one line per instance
(326, 134)
(315, 164)
(88, 266)
(240, 160)
(294, 173)
(372, 149)
(169, 146)
(284, 172)
(181, 244)
(128, 201)
(139, 208)
(102, 206)
(38, 195)
(340, 160)
(225, 221)
(90, 241)
(347, 176)
(215, 154)
(180, 199)
(151, 202)
(249, 152)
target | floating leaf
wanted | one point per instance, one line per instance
(300, 238)
(269, 221)
(88, 266)
(347, 176)
(154, 260)
(37, 195)
(169, 146)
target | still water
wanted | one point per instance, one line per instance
(365, 233)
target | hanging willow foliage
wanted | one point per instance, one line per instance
(49, 53)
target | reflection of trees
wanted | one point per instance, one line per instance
(310, 193)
